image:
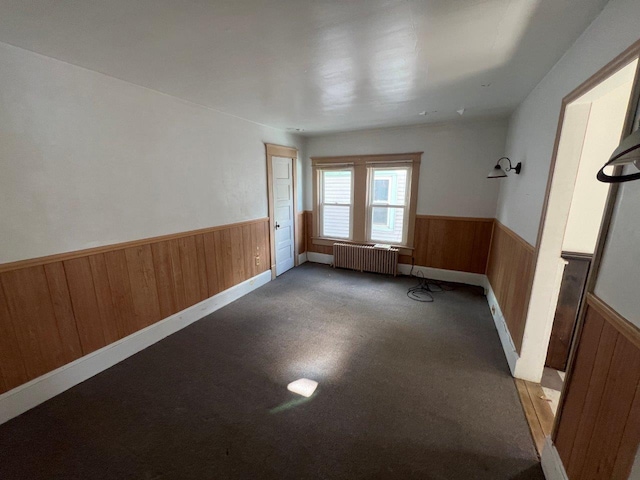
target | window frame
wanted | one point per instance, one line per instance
(371, 202)
(359, 218)
(321, 203)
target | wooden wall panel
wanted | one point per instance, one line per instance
(301, 232)
(39, 336)
(453, 243)
(510, 271)
(450, 243)
(111, 329)
(88, 318)
(12, 367)
(142, 279)
(55, 309)
(598, 432)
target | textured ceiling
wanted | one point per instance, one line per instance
(319, 65)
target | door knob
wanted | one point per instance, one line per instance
(277, 225)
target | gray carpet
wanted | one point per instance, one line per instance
(406, 390)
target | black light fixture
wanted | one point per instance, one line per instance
(627, 153)
(499, 172)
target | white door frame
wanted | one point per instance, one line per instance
(537, 332)
(284, 152)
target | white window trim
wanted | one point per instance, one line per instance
(405, 206)
(322, 204)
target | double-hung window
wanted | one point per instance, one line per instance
(388, 204)
(365, 199)
(335, 203)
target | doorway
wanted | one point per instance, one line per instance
(591, 129)
(282, 194)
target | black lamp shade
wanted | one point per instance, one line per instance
(627, 153)
(497, 172)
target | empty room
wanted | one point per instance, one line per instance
(320, 239)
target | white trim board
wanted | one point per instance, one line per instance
(33, 393)
(302, 258)
(320, 258)
(551, 462)
(476, 279)
(428, 272)
(503, 331)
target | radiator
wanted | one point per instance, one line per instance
(365, 258)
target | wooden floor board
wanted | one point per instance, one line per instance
(536, 410)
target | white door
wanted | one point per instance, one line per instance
(283, 213)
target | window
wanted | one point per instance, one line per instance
(381, 194)
(336, 187)
(368, 199)
(388, 205)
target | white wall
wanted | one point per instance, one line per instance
(530, 139)
(89, 160)
(605, 125)
(455, 163)
(533, 126)
(618, 282)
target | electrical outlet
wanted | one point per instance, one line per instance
(257, 261)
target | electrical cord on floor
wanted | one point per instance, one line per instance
(426, 287)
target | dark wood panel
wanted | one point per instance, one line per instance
(598, 431)
(576, 390)
(12, 365)
(63, 310)
(213, 281)
(113, 327)
(224, 258)
(120, 285)
(574, 280)
(203, 278)
(237, 256)
(53, 313)
(301, 232)
(85, 304)
(166, 263)
(190, 271)
(592, 401)
(510, 272)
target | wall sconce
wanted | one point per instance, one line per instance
(499, 172)
(627, 153)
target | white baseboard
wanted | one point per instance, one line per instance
(320, 258)
(33, 393)
(445, 275)
(501, 326)
(302, 258)
(551, 463)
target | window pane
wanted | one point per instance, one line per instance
(381, 190)
(336, 186)
(380, 216)
(335, 221)
(396, 186)
(392, 229)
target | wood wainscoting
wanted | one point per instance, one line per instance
(598, 430)
(510, 273)
(56, 309)
(452, 243)
(301, 232)
(448, 243)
